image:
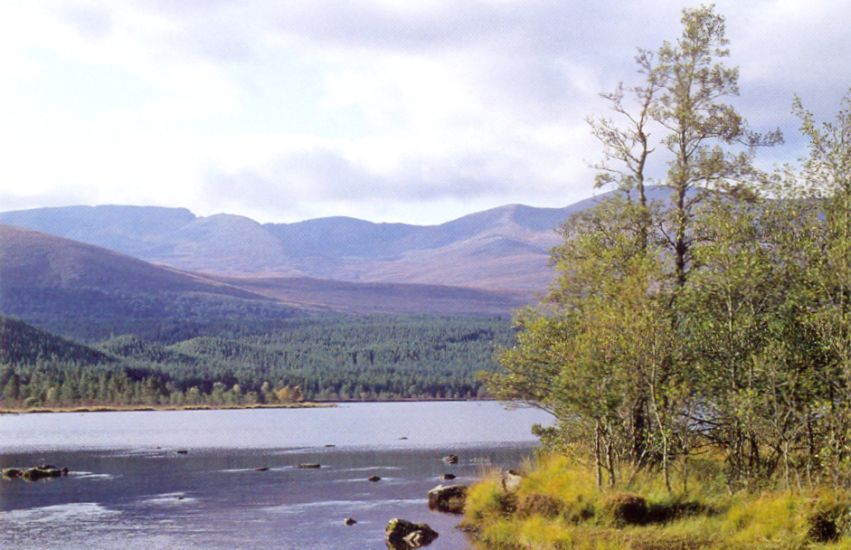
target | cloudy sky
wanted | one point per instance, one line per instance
(388, 110)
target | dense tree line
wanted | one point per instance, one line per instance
(341, 358)
(23, 344)
(327, 358)
(62, 384)
(716, 320)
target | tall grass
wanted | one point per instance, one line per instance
(558, 506)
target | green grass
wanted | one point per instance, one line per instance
(558, 506)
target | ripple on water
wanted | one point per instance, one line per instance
(91, 475)
(370, 468)
(71, 512)
(294, 509)
(382, 481)
(169, 499)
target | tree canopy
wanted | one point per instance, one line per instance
(714, 319)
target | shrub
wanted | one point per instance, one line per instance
(830, 519)
(542, 505)
(674, 509)
(626, 509)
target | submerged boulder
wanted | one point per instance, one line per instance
(373, 478)
(349, 521)
(448, 477)
(401, 534)
(450, 459)
(309, 466)
(448, 498)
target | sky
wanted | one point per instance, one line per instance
(387, 110)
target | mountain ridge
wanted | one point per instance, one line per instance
(500, 249)
(89, 293)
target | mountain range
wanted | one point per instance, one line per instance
(504, 249)
(90, 293)
(93, 272)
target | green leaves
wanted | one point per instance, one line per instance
(721, 318)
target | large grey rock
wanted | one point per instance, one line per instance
(511, 481)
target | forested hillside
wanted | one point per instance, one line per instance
(23, 344)
(367, 358)
(321, 358)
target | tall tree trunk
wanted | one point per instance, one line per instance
(598, 465)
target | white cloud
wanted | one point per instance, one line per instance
(404, 111)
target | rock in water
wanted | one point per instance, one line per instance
(401, 534)
(309, 466)
(34, 474)
(373, 478)
(448, 498)
(450, 459)
(349, 521)
(448, 477)
(261, 469)
(12, 473)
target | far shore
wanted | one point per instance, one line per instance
(302, 405)
(129, 408)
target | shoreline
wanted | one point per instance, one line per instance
(150, 408)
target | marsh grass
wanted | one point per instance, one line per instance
(558, 506)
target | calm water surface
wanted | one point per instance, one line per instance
(129, 488)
